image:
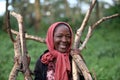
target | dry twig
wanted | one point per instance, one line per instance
(30, 37)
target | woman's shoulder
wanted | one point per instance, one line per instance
(38, 60)
(43, 53)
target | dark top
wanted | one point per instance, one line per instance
(40, 71)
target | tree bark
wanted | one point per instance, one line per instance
(37, 15)
(82, 66)
(83, 25)
(67, 9)
(75, 71)
(17, 59)
(24, 55)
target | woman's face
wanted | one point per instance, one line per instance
(62, 38)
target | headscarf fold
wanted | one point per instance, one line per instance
(62, 65)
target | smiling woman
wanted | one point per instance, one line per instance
(62, 38)
(56, 62)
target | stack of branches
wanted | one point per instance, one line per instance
(22, 59)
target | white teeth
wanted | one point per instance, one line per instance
(63, 46)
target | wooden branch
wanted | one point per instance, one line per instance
(104, 19)
(81, 66)
(92, 27)
(17, 59)
(30, 37)
(26, 70)
(82, 27)
(9, 26)
(75, 71)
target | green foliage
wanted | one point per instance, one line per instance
(6, 56)
(102, 53)
(74, 22)
(110, 11)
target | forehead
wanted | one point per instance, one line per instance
(61, 27)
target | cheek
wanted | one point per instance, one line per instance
(56, 43)
(69, 41)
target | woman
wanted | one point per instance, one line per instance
(55, 63)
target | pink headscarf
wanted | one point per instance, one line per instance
(62, 65)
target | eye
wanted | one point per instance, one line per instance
(59, 36)
(68, 36)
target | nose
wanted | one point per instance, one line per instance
(64, 39)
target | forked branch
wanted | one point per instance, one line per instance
(92, 27)
(83, 25)
(78, 60)
(23, 49)
(17, 59)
